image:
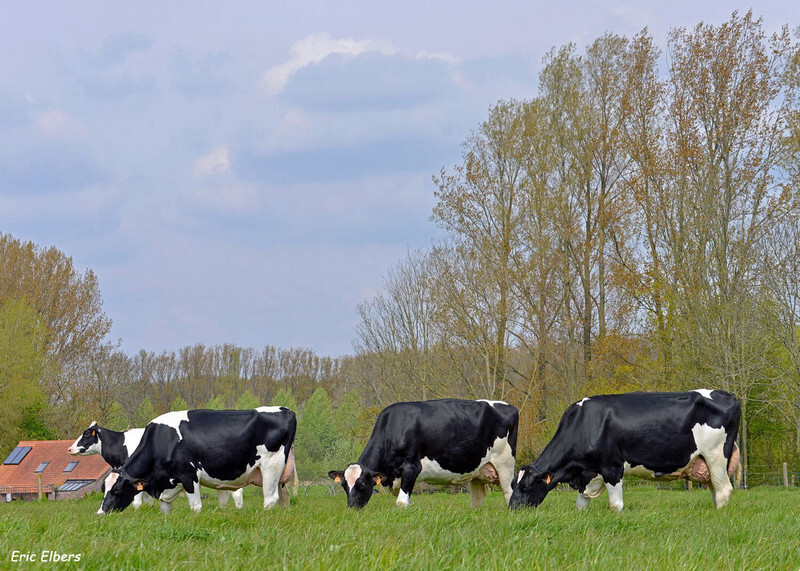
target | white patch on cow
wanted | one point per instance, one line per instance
(403, 500)
(705, 392)
(492, 402)
(269, 408)
(351, 474)
(639, 472)
(132, 438)
(615, 496)
(520, 475)
(583, 400)
(173, 419)
(594, 488)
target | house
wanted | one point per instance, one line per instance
(62, 475)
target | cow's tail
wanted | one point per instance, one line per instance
(737, 467)
(295, 479)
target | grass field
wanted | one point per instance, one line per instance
(759, 529)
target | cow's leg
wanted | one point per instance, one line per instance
(615, 496)
(478, 492)
(711, 444)
(720, 484)
(147, 498)
(137, 500)
(407, 479)
(593, 490)
(193, 495)
(505, 472)
(613, 480)
(283, 495)
(166, 497)
(238, 498)
(396, 486)
(271, 466)
(222, 498)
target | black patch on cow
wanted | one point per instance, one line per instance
(112, 444)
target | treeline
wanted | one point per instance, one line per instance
(632, 227)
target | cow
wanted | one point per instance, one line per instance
(446, 441)
(660, 436)
(115, 447)
(222, 449)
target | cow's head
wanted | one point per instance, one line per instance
(530, 487)
(88, 443)
(121, 494)
(358, 482)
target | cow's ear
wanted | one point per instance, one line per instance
(336, 475)
(377, 477)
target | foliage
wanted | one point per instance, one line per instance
(22, 354)
(247, 401)
(144, 414)
(179, 404)
(215, 403)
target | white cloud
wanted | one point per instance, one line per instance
(55, 123)
(316, 47)
(216, 162)
(313, 49)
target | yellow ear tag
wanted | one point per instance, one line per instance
(139, 486)
(378, 481)
(547, 479)
(337, 479)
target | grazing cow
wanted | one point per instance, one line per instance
(660, 436)
(442, 442)
(115, 448)
(222, 449)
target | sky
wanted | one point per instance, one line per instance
(249, 173)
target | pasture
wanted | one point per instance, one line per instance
(760, 529)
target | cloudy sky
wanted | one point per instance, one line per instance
(248, 174)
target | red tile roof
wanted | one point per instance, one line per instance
(21, 478)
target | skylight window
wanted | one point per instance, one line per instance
(70, 467)
(17, 455)
(40, 468)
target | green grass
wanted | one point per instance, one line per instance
(759, 529)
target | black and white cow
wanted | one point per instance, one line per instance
(115, 447)
(222, 449)
(442, 442)
(661, 436)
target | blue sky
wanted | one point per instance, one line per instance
(249, 173)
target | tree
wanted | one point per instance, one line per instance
(247, 401)
(69, 302)
(284, 398)
(179, 404)
(144, 414)
(215, 403)
(22, 355)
